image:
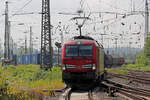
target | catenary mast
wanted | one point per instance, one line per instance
(46, 47)
(7, 35)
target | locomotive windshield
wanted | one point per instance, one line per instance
(85, 50)
(78, 50)
(71, 50)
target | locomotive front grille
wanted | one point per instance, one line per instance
(87, 66)
(70, 66)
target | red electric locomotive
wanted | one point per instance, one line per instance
(83, 60)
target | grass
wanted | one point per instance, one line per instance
(117, 70)
(124, 68)
(27, 81)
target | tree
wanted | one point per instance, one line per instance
(147, 48)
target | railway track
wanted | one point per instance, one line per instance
(142, 74)
(114, 87)
(138, 71)
(134, 93)
(66, 95)
(71, 94)
(90, 95)
(131, 77)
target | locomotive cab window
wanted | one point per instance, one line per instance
(78, 50)
(71, 50)
(85, 50)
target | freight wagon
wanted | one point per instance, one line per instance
(118, 61)
(108, 61)
(111, 60)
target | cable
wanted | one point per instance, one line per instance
(88, 8)
(88, 5)
(114, 7)
(22, 7)
(140, 5)
(82, 3)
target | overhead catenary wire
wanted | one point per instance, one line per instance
(141, 4)
(84, 6)
(26, 4)
(113, 6)
(127, 14)
(107, 12)
(23, 7)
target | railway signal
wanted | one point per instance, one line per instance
(58, 45)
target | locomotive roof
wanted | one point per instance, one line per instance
(79, 41)
(84, 39)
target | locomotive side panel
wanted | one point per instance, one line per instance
(97, 60)
(101, 61)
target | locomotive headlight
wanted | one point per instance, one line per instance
(63, 68)
(94, 67)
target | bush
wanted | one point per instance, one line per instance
(142, 60)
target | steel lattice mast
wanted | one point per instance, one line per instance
(46, 48)
(7, 35)
(146, 21)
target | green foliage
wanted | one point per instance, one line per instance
(19, 82)
(142, 60)
(147, 48)
(117, 70)
(124, 69)
(31, 73)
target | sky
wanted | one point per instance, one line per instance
(99, 23)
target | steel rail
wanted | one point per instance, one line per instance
(131, 95)
(138, 91)
(129, 76)
(134, 78)
(143, 76)
(90, 95)
(68, 94)
(127, 92)
(138, 71)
